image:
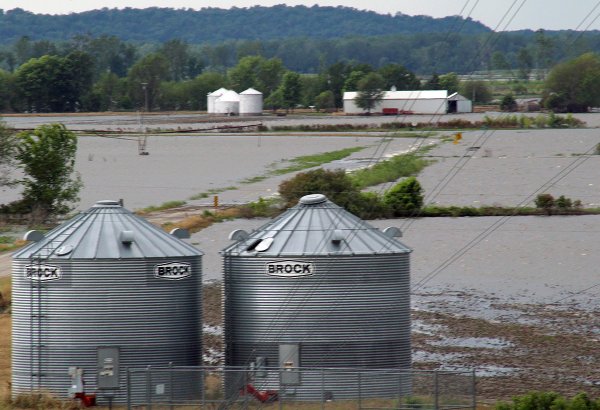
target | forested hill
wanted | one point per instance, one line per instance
(216, 25)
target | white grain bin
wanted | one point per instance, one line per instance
(104, 292)
(228, 103)
(212, 97)
(318, 288)
(251, 102)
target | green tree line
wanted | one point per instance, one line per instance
(105, 73)
(157, 25)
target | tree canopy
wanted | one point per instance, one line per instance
(575, 84)
(370, 91)
(47, 158)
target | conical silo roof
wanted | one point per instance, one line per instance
(229, 96)
(315, 227)
(219, 92)
(107, 231)
(251, 91)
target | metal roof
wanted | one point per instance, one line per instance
(405, 95)
(107, 231)
(219, 92)
(229, 96)
(315, 227)
(251, 91)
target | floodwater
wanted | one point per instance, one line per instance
(180, 166)
(478, 266)
(473, 262)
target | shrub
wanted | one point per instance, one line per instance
(564, 203)
(549, 401)
(545, 202)
(405, 198)
(508, 103)
(335, 185)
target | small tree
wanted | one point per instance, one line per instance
(47, 157)
(564, 203)
(325, 100)
(291, 89)
(405, 198)
(545, 202)
(370, 91)
(477, 91)
(508, 103)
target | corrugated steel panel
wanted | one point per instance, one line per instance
(92, 300)
(346, 305)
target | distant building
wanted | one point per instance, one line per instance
(411, 102)
(251, 102)
(212, 97)
(458, 103)
(228, 102)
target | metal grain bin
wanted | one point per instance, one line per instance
(251, 102)
(316, 287)
(104, 292)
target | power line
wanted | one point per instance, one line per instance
(561, 175)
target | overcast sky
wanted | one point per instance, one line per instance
(532, 14)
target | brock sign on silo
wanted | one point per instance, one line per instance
(42, 273)
(173, 270)
(290, 269)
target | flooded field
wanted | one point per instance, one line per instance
(515, 298)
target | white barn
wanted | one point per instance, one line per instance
(407, 102)
(458, 103)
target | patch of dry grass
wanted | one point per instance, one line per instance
(196, 223)
(5, 337)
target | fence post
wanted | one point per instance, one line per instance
(473, 388)
(436, 390)
(149, 387)
(171, 385)
(360, 390)
(322, 389)
(281, 390)
(128, 388)
(203, 385)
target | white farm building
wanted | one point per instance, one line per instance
(411, 102)
(228, 102)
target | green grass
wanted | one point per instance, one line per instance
(390, 170)
(304, 162)
(310, 161)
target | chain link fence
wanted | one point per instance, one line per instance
(299, 388)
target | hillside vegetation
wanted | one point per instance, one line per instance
(215, 24)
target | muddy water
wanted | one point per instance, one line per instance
(179, 167)
(537, 260)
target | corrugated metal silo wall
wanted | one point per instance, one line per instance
(354, 311)
(116, 303)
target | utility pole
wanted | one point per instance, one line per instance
(142, 139)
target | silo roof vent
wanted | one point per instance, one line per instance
(313, 199)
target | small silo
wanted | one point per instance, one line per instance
(228, 103)
(212, 97)
(317, 287)
(251, 102)
(104, 292)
